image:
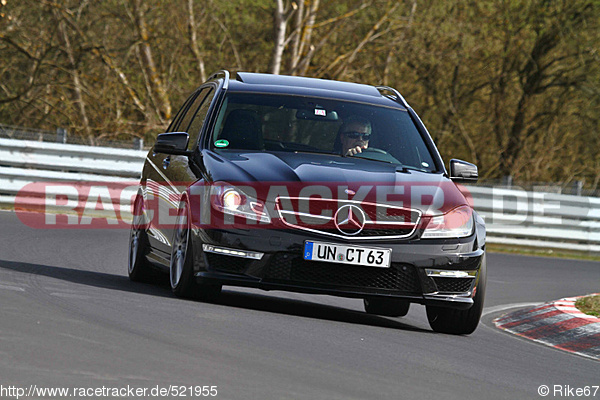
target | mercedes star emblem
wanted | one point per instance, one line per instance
(350, 220)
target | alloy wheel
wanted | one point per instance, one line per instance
(180, 246)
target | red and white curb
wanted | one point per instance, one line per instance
(558, 324)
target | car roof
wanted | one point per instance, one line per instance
(302, 86)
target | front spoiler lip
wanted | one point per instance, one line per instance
(450, 301)
(430, 253)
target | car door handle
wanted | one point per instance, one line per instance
(166, 162)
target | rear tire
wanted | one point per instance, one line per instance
(181, 268)
(460, 322)
(386, 306)
(139, 268)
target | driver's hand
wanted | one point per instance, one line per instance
(354, 150)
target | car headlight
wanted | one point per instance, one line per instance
(454, 224)
(232, 200)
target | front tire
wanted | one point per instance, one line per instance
(386, 307)
(460, 322)
(181, 268)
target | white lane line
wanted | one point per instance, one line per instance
(71, 296)
(15, 288)
(504, 307)
(81, 338)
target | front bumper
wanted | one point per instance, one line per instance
(281, 267)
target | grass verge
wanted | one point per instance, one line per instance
(589, 305)
(539, 252)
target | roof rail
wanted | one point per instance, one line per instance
(222, 73)
(395, 94)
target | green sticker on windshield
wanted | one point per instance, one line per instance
(221, 143)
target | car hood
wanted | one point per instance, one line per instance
(432, 193)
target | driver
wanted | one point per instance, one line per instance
(354, 135)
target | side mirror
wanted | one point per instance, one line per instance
(462, 171)
(172, 143)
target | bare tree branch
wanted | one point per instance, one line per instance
(74, 72)
(156, 86)
(351, 56)
(194, 40)
(281, 16)
(234, 49)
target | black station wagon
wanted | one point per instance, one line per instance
(313, 186)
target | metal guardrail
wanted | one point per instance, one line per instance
(24, 164)
(539, 219)
(513, 216)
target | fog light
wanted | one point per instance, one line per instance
(209, 248)
(444, 273)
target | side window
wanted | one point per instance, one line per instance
(196, 124)
(191, 111)
(174, 126)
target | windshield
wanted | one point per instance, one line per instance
(272, 123)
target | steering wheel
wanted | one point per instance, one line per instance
(373, 150)
(373, 153)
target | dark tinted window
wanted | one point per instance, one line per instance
(196, 124)
(191, 111)
(177, 120)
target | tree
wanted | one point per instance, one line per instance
(512, 85)
(156, 88)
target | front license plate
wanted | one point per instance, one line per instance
(355, 255)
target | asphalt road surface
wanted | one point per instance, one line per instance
(70, 317)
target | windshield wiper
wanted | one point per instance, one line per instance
(312, 151)
(406, 168)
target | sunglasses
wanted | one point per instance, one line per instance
(356, 135)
